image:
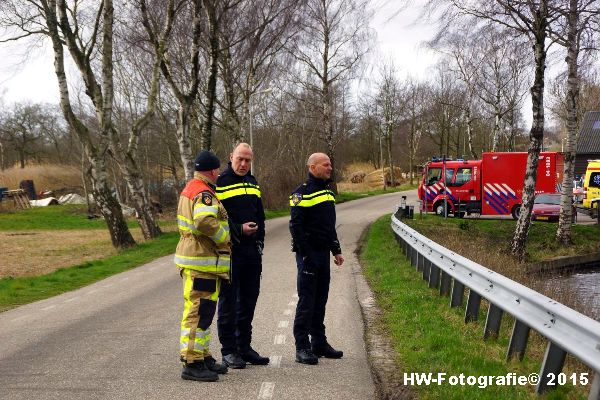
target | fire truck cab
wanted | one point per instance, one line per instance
(459, 191)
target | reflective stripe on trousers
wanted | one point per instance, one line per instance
(200, 294)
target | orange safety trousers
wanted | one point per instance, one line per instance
(200, 294)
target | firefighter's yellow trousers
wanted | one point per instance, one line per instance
(200, 294)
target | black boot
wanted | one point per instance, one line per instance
(325, 350)
(197, 371)
(252, 357)
(305, 356)
(214, 366)
(234, 361)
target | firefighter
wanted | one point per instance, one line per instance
(203, 257)
(312, 225)
(239, 192)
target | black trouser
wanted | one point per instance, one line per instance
(313, 290)
(237, 300)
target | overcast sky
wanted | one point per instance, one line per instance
(28, 74)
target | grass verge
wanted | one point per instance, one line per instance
(429, 336)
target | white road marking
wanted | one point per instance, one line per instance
(48, 308)
(71, 299)
(292, 303)
(295, 295)
(283, 324)
(287, 312)
(279, 339)
(266, 390)
(275, 361)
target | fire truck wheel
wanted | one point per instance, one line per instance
(516, 211)
(439, 209)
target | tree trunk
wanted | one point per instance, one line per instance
(107, 204)
(211, 89)
(183, 139)
(141, 203)
(536, 138)
(563, 233)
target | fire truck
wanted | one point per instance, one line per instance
(490, 186)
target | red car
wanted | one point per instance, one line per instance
(546, 207)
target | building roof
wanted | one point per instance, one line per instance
(589, 135)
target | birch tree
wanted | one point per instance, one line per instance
(334, 37)
(573, 31)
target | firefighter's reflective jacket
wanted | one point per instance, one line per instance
(204, 243)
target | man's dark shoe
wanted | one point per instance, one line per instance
(234, 361)
(252, 357)
(197, 371)
(305, 356)
(214, 366)
(327, 351)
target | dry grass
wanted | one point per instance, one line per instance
(34, 253)
(58, 178)
(356, 167)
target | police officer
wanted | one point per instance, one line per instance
(203, 256)
(312, 226)
(239, 192)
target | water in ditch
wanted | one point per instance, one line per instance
(581, 287)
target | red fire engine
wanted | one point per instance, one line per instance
(490, 186)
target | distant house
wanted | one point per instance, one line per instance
(588, 142)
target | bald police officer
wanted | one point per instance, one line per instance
(312, 225)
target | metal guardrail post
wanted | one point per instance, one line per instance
(426, 269)
(554, 359)
(445, 284)
(473, 304)
(595, 389)
(458, 290)
(518, 341)
(492, 322)
(434, 276)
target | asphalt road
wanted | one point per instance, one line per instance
(118, 338)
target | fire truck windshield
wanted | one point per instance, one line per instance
(433, 175)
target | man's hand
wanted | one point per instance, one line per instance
(338, 259)
(249, 228)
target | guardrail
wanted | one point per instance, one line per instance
(567, 330)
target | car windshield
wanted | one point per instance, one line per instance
(547, 199)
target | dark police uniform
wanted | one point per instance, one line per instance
(312, 225)
(241, 197)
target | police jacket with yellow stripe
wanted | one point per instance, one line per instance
(241, 197)
(312, 221)
(204, 243)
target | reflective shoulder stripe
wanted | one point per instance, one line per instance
(314, 199)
